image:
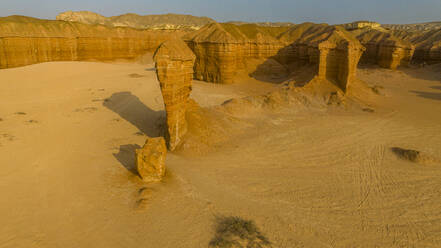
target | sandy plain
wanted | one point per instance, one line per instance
(308, 178)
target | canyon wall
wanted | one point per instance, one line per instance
(333, 50)
(384, 49)
(174, 68)
(427, 44)
(224, 49)
(25, 41)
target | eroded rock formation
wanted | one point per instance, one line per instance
(224, 49)
(25, 41)
(174, 66)
(384, 49)
(427, 44)
(150, 159)
(334, 50)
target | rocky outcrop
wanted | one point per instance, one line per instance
(384, 49)
(427, 44)
(361, 24)
(174, 68)
(150, 159)
(224, 49)
(25, 41)
(155, 22)
(335, 51)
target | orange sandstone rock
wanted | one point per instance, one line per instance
(334, 50)
(384, 49)
(174, 68)
(224, 49)
(26, 40)
(150, 159)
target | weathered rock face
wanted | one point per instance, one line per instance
(384, 49)
(150, 159)
(427, 44)
(174, 67)
(338, 62)
(25, 41)
(223, 49)
(156, 22)
(335, 51)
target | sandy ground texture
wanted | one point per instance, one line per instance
(307, 179)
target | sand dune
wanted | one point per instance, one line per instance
(315, 178)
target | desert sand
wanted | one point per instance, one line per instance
(306, 177)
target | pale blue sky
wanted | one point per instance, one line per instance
(297, 11)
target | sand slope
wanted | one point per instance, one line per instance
(323, 178)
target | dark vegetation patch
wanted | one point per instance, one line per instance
(377, 89)
(406, 154)
(87, 109)
(20, 113)
(136, 75)
(369, 110)
(235, 232)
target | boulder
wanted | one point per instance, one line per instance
(150, 159)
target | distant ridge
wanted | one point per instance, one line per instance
(414, 27)
(264, 24)
(156, 22)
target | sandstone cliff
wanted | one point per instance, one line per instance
(174, 68)
(384, 49)
(26, 40)
(427, 44)
(157, 22)
(334, 50)
(223, 49)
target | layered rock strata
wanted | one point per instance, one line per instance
(174, 68)
(427, 44)
(150, 159)
(224, 49)
(384, 49)
(335, 51)
(25, 41)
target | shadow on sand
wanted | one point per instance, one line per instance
(429, 72)
(148, 121)
(428, 95)
(131, 109)
(126, 156)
